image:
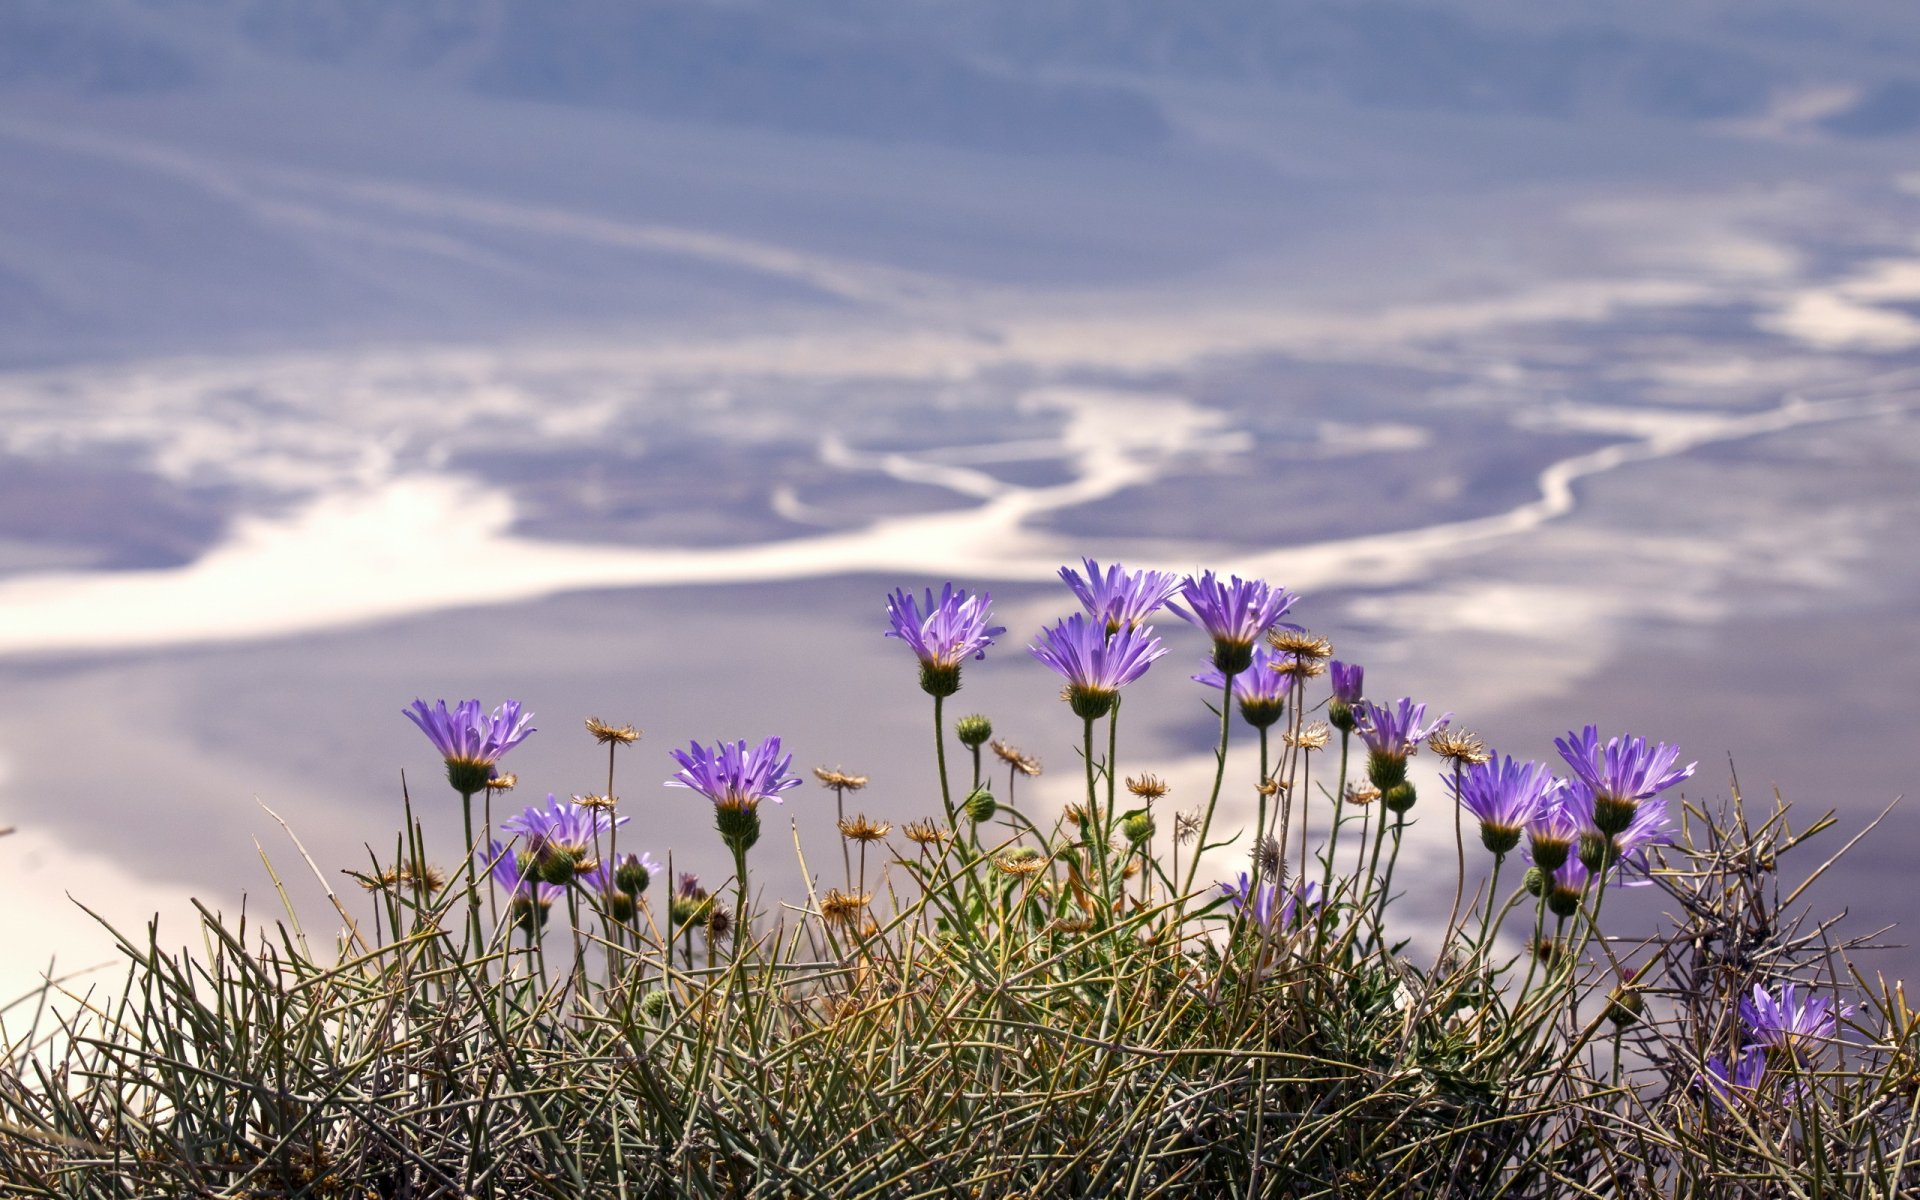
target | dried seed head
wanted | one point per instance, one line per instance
(612, 735)
(840, 781)
(428, 879)
(719, 923)
(1075, 815)
(1294, 667)
(1268, 860)
(844, 908)
(1025, 764)
(863, 829)
(590, 800)
(1312, 736)
(1069, 925)
(927, 833)
(1021, 860)
(1300, 643)
(502, 783)
(1147, 787)
(1185, 826)
(1361, 793)
(1460, 746)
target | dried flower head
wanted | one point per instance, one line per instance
(1360, 793)
(1291, 667)
(844, 908)
(838, 780)
(1070, 925)
(594, 800)
(612, 735)
(927, 833)
(1313, 736)
(502, 783)
(719, 924)
(427, 879)
(1025, 764)
(863, 829)
(1021, 860)
(1268, 860)
(1074, 815)
(1185, 826)
(1300, 643)
(1147, 787)
(1460, 746)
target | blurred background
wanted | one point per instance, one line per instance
(618, 356)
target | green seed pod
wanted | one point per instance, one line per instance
(980, 804)
(1137, 827)
(1398, 798)
(973, 731)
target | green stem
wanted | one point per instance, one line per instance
(1333, 834)
(1219, 776)
(940, 757)
(475, 939)
(1092, 828)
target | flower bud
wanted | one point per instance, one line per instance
(980, 804)
(973, 731)
(1398, 798)
(1625, 1005)
(1340, 716)
(1535, 881)
(1137, 828)
(631, 876)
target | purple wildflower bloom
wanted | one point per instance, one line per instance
(1119, 598)
(468, 739)
(1552, 833)
(1261, 690)
(1268, 904)
(1096, 664)
(1649, 825)
(1724, 1088)
(1505, 796)
(1396, 732)
(949, 629)
(1621, 774)
(1794, 1024)
(732, 777)
(560, 838)
(1346, 678)
(614, 876)
(1234, 614)
(519, 880)
(1566, 885)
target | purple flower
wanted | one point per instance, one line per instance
(629, 874)
(1234, 613)
(1119, 598)
(1648, 825)
(1505, 796)
(1346, 681)
(1268, 904)
(950, 629)
(1621, 774)
(732, 777)
(1391, 734)
(468, 739)
(1726, 1088)
(1566, 885)
(529, 896)
(1261, 690)
(1793, 1024)
(560, 838)
(1096, 664)
(1552, 833)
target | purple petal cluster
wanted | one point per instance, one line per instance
(1725, 1087)
(608, 877)
(1235, 612)
(467, 734)
(1261, 689)
(1096, 664)
(1626, 768)
(519, 880)
(1505, 796)
(1117, 598)
(731, 776)
(1346, 678)
(944, 631)
(561, 825)
(1792, 1023)
(1396, 732)
(1269, 904)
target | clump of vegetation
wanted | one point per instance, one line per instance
(987, 1002)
